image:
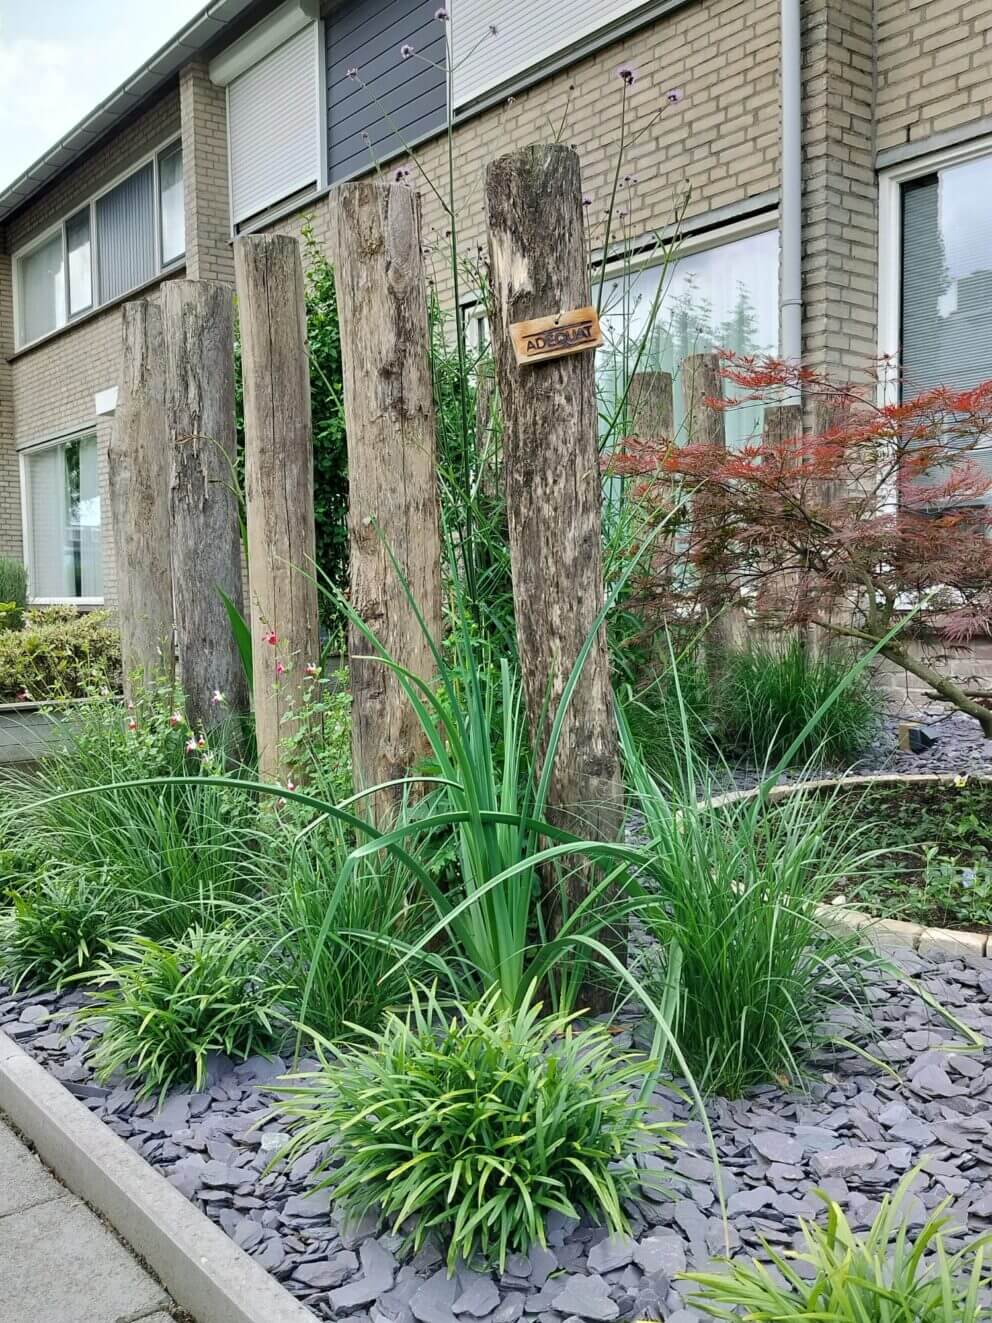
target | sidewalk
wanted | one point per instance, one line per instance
(58, 1262)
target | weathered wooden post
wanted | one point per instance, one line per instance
(649, 405)
(389, 412)
(704, 426)
(278, 487)
(198, 329)
(782, 423)
(138, 474)
(553, 490)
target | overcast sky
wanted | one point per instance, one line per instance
(58, 58)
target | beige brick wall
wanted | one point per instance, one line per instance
(205, 175)
(933, 67)
(54, 384)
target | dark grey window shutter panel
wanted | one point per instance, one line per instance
(367, 35)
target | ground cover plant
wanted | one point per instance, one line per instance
(478, 1124)
(892, 1273)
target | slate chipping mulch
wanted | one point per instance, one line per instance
(854, 1132)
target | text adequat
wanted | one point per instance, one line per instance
(544, 338)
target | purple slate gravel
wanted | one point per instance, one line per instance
(855, 1132)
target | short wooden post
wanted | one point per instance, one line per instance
(138, 475)
(389, 412)
(279, 490)
(649, 405)
(553, 490)
(704, 426)
(198, 329)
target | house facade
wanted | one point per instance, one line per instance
(828, 164)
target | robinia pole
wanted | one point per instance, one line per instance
(279, 492)
(392, 469)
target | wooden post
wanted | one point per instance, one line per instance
(782, 423)
(389, 413)
(138, 475)
(553, 490)
(198, 328)
(704, 426)
(649, 405)
(279, 489)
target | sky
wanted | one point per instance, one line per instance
(59, 58)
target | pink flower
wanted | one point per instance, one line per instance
(280, 669)
(311, 669)
(272, 638)
(132, 724)
(674, 96)
(176, 719)
(24, 696)
(191, 745)
(290, 784)
(406, 50)
(130, 707)
(201, 743)
(216, 697)
(627, 74)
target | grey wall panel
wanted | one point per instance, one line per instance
(368, 35)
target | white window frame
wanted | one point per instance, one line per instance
(890, 184)
(96, 302)
(23, 455)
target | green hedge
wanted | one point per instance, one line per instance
(59, 653)
(13, 593)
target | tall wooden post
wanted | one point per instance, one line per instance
(278, 487)
(704, 426)
(389, 412)
(553, 490)
(138, 474)
(198, 328)
(649, 405)
(782, 423)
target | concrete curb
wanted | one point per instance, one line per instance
(204, 1271)
(886, 934)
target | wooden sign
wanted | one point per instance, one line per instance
(544, 338)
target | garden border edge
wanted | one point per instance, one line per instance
(203, 1269)
(886, 934)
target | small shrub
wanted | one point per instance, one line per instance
(883, 1276)
(766, 696)
(59, 653)
(478, 1127)
(163, 1008)
(13, 593)
(58, 925)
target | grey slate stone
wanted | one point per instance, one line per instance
(586, 1296)
(612, 1253)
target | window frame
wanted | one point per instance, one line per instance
(890, 185)
(27, 531)
(59, 227)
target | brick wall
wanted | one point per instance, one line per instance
(205, 175)
(933, 68)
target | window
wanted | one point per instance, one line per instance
(275, 141)
(118, 241)
(63, 545)
(720, 297)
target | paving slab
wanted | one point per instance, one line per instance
(58, 1262)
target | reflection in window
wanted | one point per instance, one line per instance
(65, 553)
(42, 289)
(77, 242)
(724, 297)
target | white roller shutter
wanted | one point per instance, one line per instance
(527, 34)
(273, 121)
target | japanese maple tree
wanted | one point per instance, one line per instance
(844, 525)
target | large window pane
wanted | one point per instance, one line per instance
(125, 234)
(65, 556)
(42, 290)
(170, 189)
(77, 242)
(721, 298)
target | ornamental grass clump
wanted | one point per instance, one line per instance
(163, 1008)
(885, 1275)
(59, 923)
(478, 1126)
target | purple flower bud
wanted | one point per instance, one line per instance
(586, 200)
(406, 50)
(674, 96)
(442, 14)
(493, 29)
(352, 72)
(627, 74)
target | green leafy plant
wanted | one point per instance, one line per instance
(13, 593)
(478, 1126)
(59, 653)
(767, 695)
(886, 1275)
(59, 923)
(163, 1008)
